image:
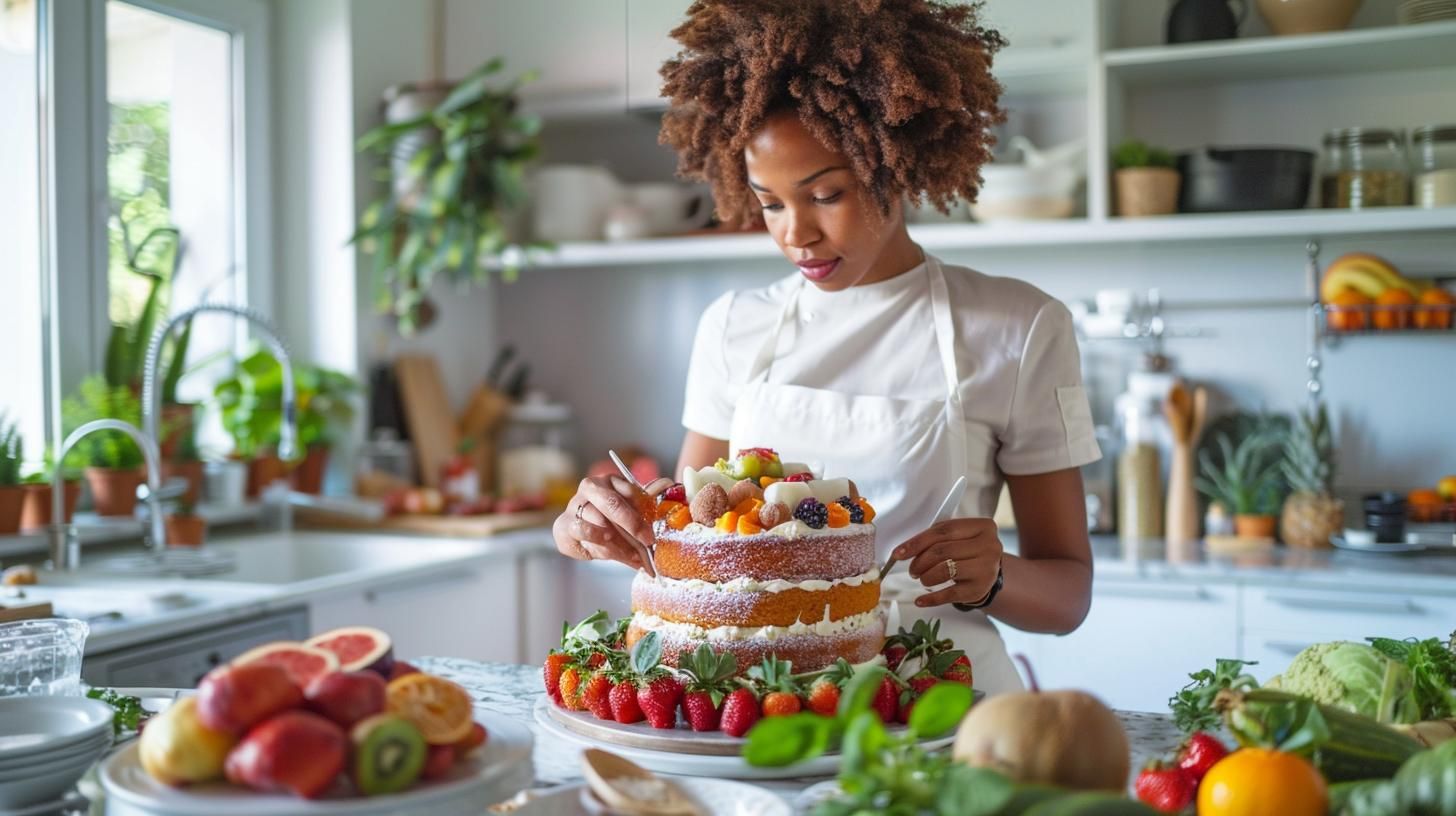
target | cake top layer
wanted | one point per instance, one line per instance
(757, 493)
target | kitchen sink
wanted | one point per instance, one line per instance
(291, 558)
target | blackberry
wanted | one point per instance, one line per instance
(812, 513)
(856, 513)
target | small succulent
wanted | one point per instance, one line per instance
(1134, 153)
(1248, 481)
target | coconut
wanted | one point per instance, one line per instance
(1064, 738)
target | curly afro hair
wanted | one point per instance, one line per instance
(902, 88)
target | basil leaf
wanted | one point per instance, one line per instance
(779, 741)
(860, 691)
(967, 791)
(940, 710)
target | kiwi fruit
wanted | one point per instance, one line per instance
(389, 754)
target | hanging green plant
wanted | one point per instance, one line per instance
(466, 173)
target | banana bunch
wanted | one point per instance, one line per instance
(1370, 275)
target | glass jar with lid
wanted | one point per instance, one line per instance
(1364, 167)
(1433, 161)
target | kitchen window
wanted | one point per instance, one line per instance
(159, 117)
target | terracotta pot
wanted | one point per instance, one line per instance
(263, 470)
(192, 472)
(1307, 16)
(1249, 526)
(186, 531)
(113, 490)
(1143, 191)
(35, 508)
(308, 477)
(11, 497)
(177, 420)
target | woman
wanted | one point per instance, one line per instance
(875, 360)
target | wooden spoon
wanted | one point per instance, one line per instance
(628, 788)
(1178, 409)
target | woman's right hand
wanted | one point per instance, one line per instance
(602, 521)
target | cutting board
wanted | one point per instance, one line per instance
(444, 526)
(432, 427)
(25, 611)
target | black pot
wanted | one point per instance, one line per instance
(1217, 179)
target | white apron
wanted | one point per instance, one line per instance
(902, 454)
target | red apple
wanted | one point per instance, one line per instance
(297, 752)
(235, 698)
(439, 762)
(401, 668)
(346, 697)
(473, 740)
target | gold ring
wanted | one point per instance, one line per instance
(950, 567)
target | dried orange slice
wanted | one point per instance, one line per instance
(439, 708)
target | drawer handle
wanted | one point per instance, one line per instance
(1341, 605)
(1154, 593)
(437, 579)
(1285, 647)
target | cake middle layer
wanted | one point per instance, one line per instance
(751, 602)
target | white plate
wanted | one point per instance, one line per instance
(492, 774)
(1343, 543)
(717, 797)
(29, 725)
(730, 767)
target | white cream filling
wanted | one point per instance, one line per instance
(747, 584)
(822, 628)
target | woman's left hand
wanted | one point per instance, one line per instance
(966, 551)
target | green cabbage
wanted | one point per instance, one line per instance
(1355, 677)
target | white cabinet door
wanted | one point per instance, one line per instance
(470, 611)
(1140, 641)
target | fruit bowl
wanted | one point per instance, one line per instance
(497, 771)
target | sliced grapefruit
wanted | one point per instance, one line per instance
(303, 663)
(358, 648)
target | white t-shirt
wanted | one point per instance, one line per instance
(1016, 354)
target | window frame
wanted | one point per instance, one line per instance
(76, 100)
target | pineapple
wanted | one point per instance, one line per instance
(1311, 514)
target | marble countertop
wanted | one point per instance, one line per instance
(511, 691)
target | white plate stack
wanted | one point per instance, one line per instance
(1425, 11)
(47, 744)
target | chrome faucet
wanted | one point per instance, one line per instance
(288, 436)
(65, 551)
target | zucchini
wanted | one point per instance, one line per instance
(1343, 745)
(1426, 784)
(1372, 797)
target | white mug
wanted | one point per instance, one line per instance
(673, 208)
(572, 200)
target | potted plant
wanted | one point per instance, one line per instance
(1145, 180)
(11, 494)
(1311, 514)
(1246, 482)
(184, 527)
(185, 463)
(450, 215)
(35, 504)
(113, 460)
(326, 407)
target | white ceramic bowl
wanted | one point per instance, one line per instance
(31, 725)
(47, 784)
(1022, 191)
(31, 763)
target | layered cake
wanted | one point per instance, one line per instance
(758, 557)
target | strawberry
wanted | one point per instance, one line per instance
(766, 454)
(709, 678)
(919, 684)
(823, 697)
(659, 699)
(570, 687)
(806, 476)
(1167, 789)
(676, 493)
(894, 653)
(959, 672)
(556, 662)
(595, 695)
(774, 679)
(887, 698)
(623, 699)
(740, 712)
(1199, 753)
(473, 740)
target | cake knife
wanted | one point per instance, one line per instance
(644, 551)
(952, 500)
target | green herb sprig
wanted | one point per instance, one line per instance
(1433, 669)
(1193, 707)
(129, 712)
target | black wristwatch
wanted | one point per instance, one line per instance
(990, 596)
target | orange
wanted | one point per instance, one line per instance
(439, 708)
(680, 518)
(838, 515)
(1349, 312)
(1393, 309)
(666, 508)
(728, 522)
(1424, 504)
(1262, 782)
(1438, 305)
(748, 524)
(1446, 488)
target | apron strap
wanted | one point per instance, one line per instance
(955, 418)
(764, 359)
